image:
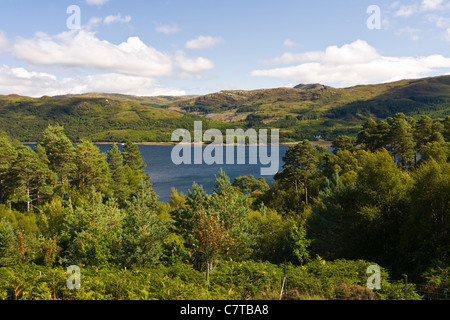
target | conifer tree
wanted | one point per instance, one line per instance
(92, 168)
(60, 152)
(7, 155)
(120, 186)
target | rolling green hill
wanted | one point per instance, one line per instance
(99, 118)
(302, 112)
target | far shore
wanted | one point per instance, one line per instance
(314, 143)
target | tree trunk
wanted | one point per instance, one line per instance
(306, 194)
(207, 273)
(28, 200)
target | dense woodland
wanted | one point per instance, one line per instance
(381, 198)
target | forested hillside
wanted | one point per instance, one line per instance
(382, 198)
(302, 112)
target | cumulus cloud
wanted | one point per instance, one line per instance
(167, 29)
(356, 63)
(432, 4)
(192, 65)
(424, 6)
(83, 49)
(117, 18)
(131, 67)
(36, 84)
(203, 42)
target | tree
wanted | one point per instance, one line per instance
(434, 150)
(211, 239)
(422, 131)
(135, 165)
(144, 232)
(29, 178)
(61, 154)
(401, 140)
(132, 157)
(92, 168)
(380, 205)
(425, 234)
(446, 123)
(298, 242)
(7, 238)
(251, 186)
(374, 136)
(7, 155)
(367, 136)
(333, 225)
(120, 187)
(343, 143)
(300, 164)
(93, 233)
(232, 209)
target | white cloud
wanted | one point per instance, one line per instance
(406, 11)
(289, 43)
(289, 57)
(29, 83)
(117, 18)
(192, 65)
(424, 6)
(357, 63)
(203, 42)
(412, 33)
(82, 49)
(432, 4)
(96, 2)
(167, 29)
(4, 42)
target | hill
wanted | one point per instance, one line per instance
(302, 112)
(99, 117)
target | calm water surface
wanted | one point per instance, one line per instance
(166, 175)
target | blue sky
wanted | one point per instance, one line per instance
(174, 47)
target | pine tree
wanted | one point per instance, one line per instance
(402, 142)
(61, 155)
(343, 143)
(28, 178)
(422, 131)
(300, 164)
(92, 168)
(367, 136)
(144, 232)
(120, 186)
(133, 160)
(7, 155)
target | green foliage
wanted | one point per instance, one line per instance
(303, 112)
(62, 205)
(120, 186)
(144, 233)
(249, 185)
(92, 233)
(92, 169)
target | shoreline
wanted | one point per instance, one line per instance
(314, 143)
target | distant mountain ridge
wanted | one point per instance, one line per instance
(304, 111)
